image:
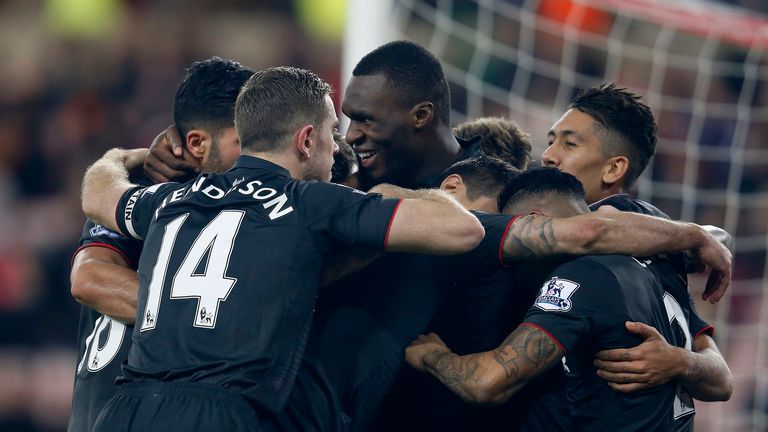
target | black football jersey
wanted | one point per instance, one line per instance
(103, 341)
(583, 306)
(471, 314)
(671, 268)
(230, 270)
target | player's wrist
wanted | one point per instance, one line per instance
(432, 358)
(683, 365)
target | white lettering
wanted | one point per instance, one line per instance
(177, 195)
(249, 187)
(278, 210)
(213, 192)
(264, 193)
(198, 183)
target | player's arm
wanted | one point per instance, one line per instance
(105, 182)
(430, 221)
(603, 232)
(703, 372)
(491, 377)
(102, 279)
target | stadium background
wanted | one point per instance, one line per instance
(81, 76)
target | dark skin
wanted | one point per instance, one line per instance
(395, 143)
(167, 160)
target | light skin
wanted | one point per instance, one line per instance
(490, 377)
(454, 185)
(576, 147)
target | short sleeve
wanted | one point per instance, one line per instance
(574, 303)
(95, 235)
(490, 252)
(138, 205)
(348, 215)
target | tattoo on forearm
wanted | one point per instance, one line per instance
(454, 371)
(526, 347)
(530, 237)
(525, 353)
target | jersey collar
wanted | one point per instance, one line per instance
(251, 162)
(600, 202)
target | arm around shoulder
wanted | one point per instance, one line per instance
(104, 183)
(431, 221)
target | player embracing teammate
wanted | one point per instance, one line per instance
(246, 277)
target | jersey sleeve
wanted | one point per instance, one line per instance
(349, 215)
(574, 303)
(138, 205)
(490, 252)
(95, 235)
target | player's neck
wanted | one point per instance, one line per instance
(281, 159)
(445, 150)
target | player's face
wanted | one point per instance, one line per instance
(321, 161)
(225, 149)
(575, 147)
(380, 130)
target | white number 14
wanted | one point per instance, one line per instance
(210, 286)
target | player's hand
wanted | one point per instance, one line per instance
(650, 364)
(718, 258)
(167, 160)
(422, 347)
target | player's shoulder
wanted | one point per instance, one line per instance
(624, 202)
(492, 219)
(597, 269)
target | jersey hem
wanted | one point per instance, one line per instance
(104, 245)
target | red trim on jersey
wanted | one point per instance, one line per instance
(547, 333)
(389, 227)
(504, 237)
(104, 245)
(708, 329)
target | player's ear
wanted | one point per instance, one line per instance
(452, 184)
(615, 169)
(199, 143)
(304, 141)
(422, 114)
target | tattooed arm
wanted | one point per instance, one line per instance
(602, 232)
(491, 377)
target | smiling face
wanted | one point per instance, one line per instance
(380, 131)
(575, 147)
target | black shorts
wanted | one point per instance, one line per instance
(177, 407)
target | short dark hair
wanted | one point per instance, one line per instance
(621, 112)
(206, 97)
(502, 138)
(344, 161)
(537, 183)
(414, 73)
(274, 102)
(483, 176)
